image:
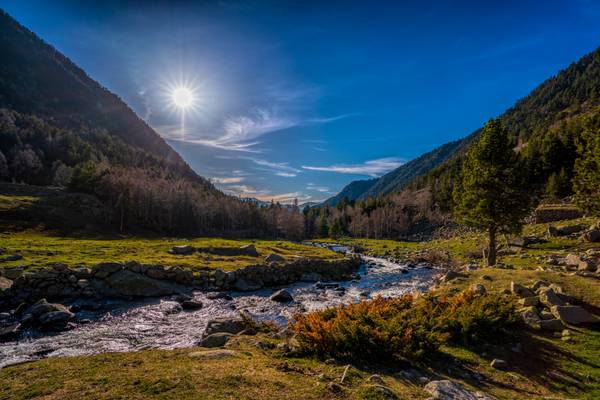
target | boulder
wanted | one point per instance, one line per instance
(184, 250)
(592, 235)
(520, 290)
(553, 325)
(250, 250)
(450, 390)
(282, 296)
(55, 319)
(10, 333)
(572, 260)
(549, 298)
(573, 315)
(226, 325)
(191, 305)
(587, 265)
(274, 258)
(42, 307)
(103, 270)
(216, 339)
(128, 283)
(12, 257)
(529, 301)
(538, 284)
(5, 284)
(565, 230)
(531, 318)
(12, 273)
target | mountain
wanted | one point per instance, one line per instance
(65, 136)
(534, 124)
(37, 80)
(388, 183)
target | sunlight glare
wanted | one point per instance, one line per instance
(182, 97)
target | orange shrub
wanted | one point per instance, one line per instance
(403, 328)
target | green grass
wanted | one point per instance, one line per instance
(43, 248)
(460, 247)
(547, 367)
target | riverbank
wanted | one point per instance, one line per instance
(539, 364)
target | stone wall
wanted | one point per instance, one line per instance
(134, 279)
(546, 214)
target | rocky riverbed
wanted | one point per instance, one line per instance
(121, 325)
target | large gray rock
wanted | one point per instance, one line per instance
(282, 296)
(191, 305)
(274, 258)
(43, 307)
(549, 298)
(250, 250)
(573, 315)
(12, 273)
(55, 319)
(5, 284)
(531, 318)
(128, 283)
(572, 260)
(553, 325)
(185, 250)
(450, 390)
(226, 325)
(216, 339)
(520, 290)
(10, 333)
(593, 235)
(103, 270)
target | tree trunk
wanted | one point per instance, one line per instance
(491, 256)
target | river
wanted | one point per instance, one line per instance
(118, 326)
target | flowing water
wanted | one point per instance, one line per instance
(116, 326)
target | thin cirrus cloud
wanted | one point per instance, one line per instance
(223, 181)
(279, 169)
(247, 191)
(371, 168)
(241, 133)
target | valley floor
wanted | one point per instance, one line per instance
(541, 365)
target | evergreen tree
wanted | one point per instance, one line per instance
(488, 196)
(558, 185)
(586, 182)
(323, 226)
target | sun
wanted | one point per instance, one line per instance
(182, 97)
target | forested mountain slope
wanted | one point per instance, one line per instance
(573, 91)
(58, 127)
(37, 80)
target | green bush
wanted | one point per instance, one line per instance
(406, 328)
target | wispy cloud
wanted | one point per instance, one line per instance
(371, 168)
(313, 186)
(220, 180)
(286, 174)
(266, 195)
(279, 169)
(241, 133)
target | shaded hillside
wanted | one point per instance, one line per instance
(544, 127)
(573, 91)
(36, 79)
(352, 191)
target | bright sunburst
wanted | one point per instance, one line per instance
(182, 97)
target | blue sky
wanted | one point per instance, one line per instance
(296, 99)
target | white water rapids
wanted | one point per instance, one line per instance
(118, 326)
